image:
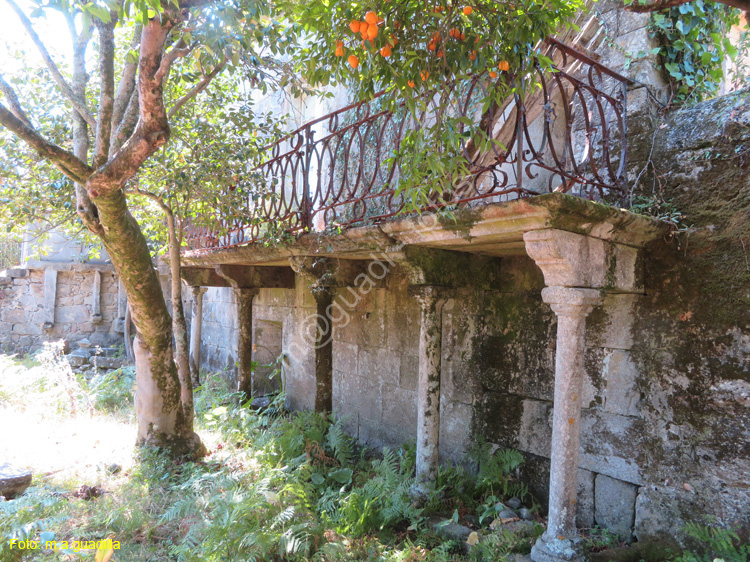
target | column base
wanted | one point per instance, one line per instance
(555, 549)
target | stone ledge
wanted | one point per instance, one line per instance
(14, 272)
(70, 267)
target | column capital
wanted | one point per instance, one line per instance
(569, 259)
(571, 301)
(198, 290)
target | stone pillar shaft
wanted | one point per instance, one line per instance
(571, 305)
(195, 332)
(245, 344)
(428, 384)
(323, 350)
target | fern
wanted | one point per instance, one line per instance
(715, 543)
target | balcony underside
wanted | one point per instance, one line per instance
(494, 230)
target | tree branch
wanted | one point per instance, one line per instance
(127, 125)
(107, 93)
(152, 130)
(78, 104)
(666, 4)
(199, 87)
(155, 198)
(126, 88)
(179, 50)
(67, 162)
(15, 105)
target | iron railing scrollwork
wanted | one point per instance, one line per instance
(568, 134)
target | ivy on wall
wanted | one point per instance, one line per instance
(694, 43)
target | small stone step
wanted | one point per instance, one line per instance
(13, 480)
(108, 362)
(14, 272)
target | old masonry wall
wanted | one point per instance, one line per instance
(666, 420)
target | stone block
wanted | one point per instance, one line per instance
(409, 371)
(108, 362)
(615, 505)
(76, 359)
(6, 280)
(455, 430)
(400, 410)
(611, 324)
(535, 434)
(608, 443)
(379, 365)
(345, 357)
(28, 329)
(72, 314)
(15, 273)
(13, 480)
(15, 315)
(620, 375)
(585, 504)
(369, 398)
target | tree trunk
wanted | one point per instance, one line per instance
(179, 326)
(162, 418)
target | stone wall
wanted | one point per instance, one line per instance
(34, 308)
(666, 419)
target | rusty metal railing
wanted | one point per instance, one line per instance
(567, 134)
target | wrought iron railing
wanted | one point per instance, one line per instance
(567, 134)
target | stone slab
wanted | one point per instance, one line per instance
(615, 506)
(13, 480)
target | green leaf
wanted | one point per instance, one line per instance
(342, 476)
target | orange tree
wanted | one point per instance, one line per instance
(420, 53)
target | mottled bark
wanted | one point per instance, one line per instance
(179, 325)
(106, 93)
(164, 402)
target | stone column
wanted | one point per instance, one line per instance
(245, 344)
(323, 295)
(50, 292)
(195, 333)
(571, 305)
(96, 307)
(428, 385)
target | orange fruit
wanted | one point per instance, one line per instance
(371, 18)
(440, 54)
(363, 27)
(473, 55)
(393, 41)
(503, 65)
(353, 61)
(493, 74)
(354, 26)
(340, 51)
(372, 31)
(468, 10)
(431, 46)
(386, 51)
(411, 83)
(424, 75)
(463, 37)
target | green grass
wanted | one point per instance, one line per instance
(276, 486)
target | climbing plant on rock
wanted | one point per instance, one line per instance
(694, 46)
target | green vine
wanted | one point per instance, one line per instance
(694, 43)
